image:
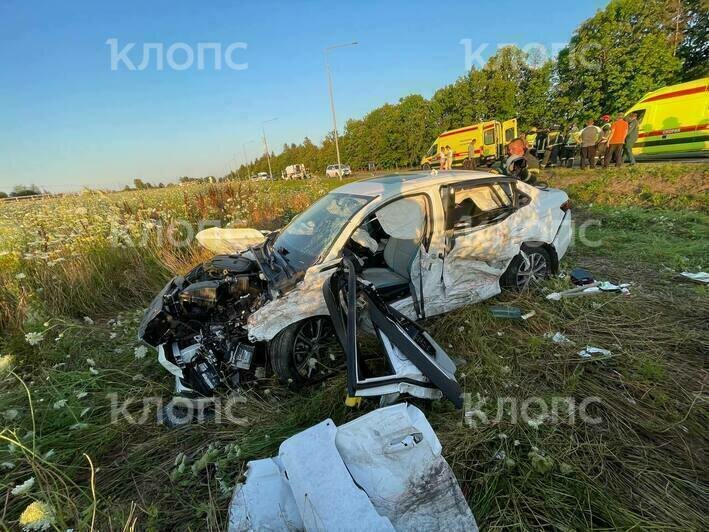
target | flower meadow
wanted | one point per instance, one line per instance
(75, 273)
(82, 446)
(94, 253)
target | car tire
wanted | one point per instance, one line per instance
(426, 167)
(291, 351)
(521, 274)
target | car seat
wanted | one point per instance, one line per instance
(398, 256)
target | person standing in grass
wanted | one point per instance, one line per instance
(590, 136)
(616, 141)
(472, 164)
(442, 158)
(632, 138)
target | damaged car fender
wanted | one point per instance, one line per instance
(304, 301)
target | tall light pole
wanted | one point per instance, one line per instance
(332, 100)
(246, 159)
(265, 143)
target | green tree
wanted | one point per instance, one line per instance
(693, 46)
(618, 55)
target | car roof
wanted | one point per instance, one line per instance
(395, 184)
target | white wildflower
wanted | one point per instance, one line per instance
(93, 371)
(59, 404)
(37, 516)
(11, 414)
(81, 395)
(140, 351)
(23, 488)
(34, 338)
(535, 423)
(113, 335)
(502, 436)
(5, 362)
(20, 276)
(88, 321)
(7, 466)
(91, 362)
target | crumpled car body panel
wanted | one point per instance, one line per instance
(381, 471)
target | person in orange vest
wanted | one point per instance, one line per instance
(616, 141)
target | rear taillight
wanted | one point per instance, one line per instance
(566, 206)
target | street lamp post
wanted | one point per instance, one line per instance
(332, 101)
(265, 143)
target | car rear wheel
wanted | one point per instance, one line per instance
(305, 352)
(426, 167)
(528, 268)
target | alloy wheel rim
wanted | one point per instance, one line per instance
(532, 270)
(316, 340)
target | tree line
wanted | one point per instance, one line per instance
(613, 58)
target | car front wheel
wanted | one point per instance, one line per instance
(305, 352)
(528, 268)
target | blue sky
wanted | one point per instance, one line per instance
(68, 120)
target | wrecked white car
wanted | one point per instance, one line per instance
(376, 253)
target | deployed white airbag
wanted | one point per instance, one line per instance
(382, 471)
(224, 241)
(404, 218)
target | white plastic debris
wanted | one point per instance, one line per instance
(558, 338)
(596, 287)
(589, 351)
(698, 277)
(382, 471)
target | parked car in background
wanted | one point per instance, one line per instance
(295, 171)
(261, 176)
(338, 170)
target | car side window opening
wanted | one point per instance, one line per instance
(641, 114)
(399, 228)
(472, 205)
(433, 150)
(509, 134)
(489, 136)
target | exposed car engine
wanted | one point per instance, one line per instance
(197, 323)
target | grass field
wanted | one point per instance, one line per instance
(75, 273)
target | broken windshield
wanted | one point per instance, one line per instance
(310, 235)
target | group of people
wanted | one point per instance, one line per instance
(611, 143)
(446, 157)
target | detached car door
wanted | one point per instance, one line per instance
(483, 233)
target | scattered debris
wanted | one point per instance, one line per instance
(558, 338)
(510, 313)
(596, 287)
(382, 471)
(589, 351)
(581, 277)
(698, 277)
